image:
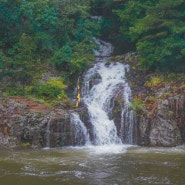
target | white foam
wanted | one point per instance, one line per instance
(109, 149)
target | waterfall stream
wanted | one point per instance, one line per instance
(47, 132)
(101, 84)
(81, 135)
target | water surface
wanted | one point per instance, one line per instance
(111, 165)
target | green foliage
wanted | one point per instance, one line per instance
(137, 106)
(26, 144)
(170, 113)
(45, 30)
(173, 77)
(35, 33)
(158, 30)
(154, 81)
(26, 48)
(62, 56)
(52, 89)
(161, 79)
(39, 32)
(3, 59)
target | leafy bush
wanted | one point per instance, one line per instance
(52, 89)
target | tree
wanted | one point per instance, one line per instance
(158, 30)
(46, 31)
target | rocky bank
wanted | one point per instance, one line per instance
(159, 105)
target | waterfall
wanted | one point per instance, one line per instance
(101, 84)
(98, 101)
(80, 134)
(105, 49)
(47, 132)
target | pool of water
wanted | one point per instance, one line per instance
(108, 165)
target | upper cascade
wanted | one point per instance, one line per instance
(105, 49)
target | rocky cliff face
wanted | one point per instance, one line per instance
(160, 106)
(164, 125)
(24, 123)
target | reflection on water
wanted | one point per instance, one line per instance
(113, 165)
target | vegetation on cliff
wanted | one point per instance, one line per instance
(37, 35)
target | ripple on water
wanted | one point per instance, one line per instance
(154, 180)
(159, 150)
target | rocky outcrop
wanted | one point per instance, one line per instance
(164, 125)
(49, 130)
(160, 107)
(25, 123)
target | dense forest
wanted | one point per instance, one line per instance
(35, 34)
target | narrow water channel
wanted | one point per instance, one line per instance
(107, 165)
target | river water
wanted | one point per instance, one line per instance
(100, 165)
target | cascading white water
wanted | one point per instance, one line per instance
(107, 79)
(101, 84)
(81, 136)
(105, 49)
(98, 99)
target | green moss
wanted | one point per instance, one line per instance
(26, 144)
(170, 113)
(137, 106)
